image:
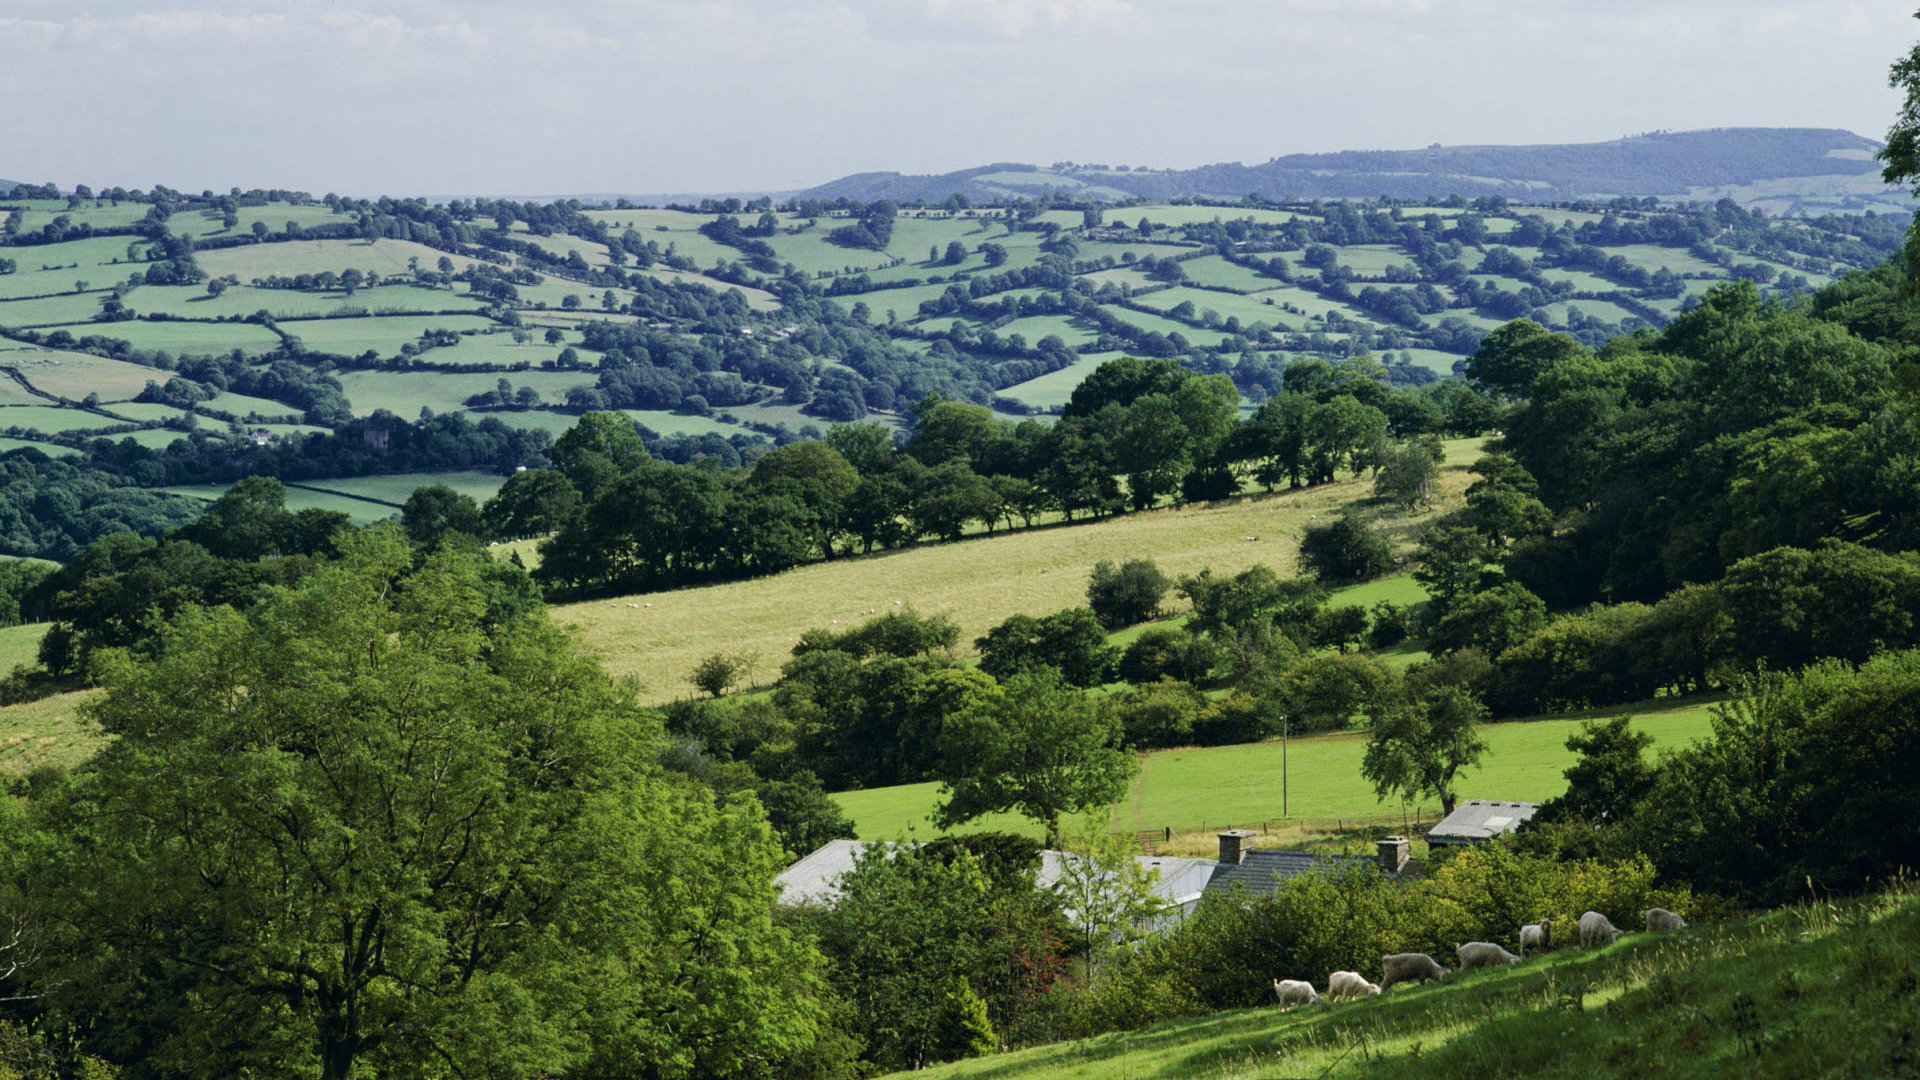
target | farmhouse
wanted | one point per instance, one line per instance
(1181, 883)
(816, 878)
(1480, 819)
(1261, 872)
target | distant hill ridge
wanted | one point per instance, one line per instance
(1782, 170)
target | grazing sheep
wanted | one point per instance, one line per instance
(1536, 936)
(1295, 992)
(1595, 929)
(1660, 918)
(1346, 984)
(1479, 954)
(1409, 967)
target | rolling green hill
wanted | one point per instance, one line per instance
(1818, 990)
(1782, 170)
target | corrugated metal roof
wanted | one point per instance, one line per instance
(1480, 819)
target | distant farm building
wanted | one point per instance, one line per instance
(1480, 819)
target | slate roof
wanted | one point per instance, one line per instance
(816, 878)
(1261, 872)
(1480, 819)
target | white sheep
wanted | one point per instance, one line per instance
(1596, 929)
(1479, 954)
(1409, 967)
(1536, 936)
(1295, 992)
(1660, 918)
(1348, 984)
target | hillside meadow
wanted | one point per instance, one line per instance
(657, 638)
(1819, 990)
(1201, 789)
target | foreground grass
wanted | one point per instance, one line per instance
(1203, 788)
(1822, 990)
(658, 637)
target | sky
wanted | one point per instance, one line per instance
(493, 97)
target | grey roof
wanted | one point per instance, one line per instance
(1261, 872)
(816, 878)
(1480, 819)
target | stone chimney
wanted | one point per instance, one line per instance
(1234, 845)
(1393, 854)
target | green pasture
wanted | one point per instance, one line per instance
(1203, 788)
(1307, 303)
(1679, 260)
(1122, 275)
(288, 258)
(242, 405)
(159, 438)
(593, 252)
(1052, 390)
(97, 214)
(145, 411)
(275, 216)
(51, 310)
(1139, 249)
(1248, 309)
(383, 334)
(1582, 280)
(395, 488)
(31, 283)
(1198, 215)
(52, 419)
(115, 256)
(1217, 272)
(1372, 260)
(1604, 310)
(1195, 335)
(50, 449)
(12, 393)
(298, 498)
(662, 422)
(1071, 329)
(501, 350)
(190, 338)
(904, 303)
(774, 412)
(553, 293)
(405, 393)
(1434, 359)
(812, 253)
(757, 299)
(192, 301)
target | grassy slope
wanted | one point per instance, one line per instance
(1197, 789)
(658, 638)
(1821, 990)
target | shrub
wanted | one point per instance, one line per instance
(1166, 652)
(1343, 550)
(1127, 594)
(1162, 714)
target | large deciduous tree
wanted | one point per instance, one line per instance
(1420, 748)
(389, 821)
(1038, 747)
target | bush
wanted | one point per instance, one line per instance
(1345, 550)
(1162, 714)
(1166, 652)
(1392, 624)
(1127, 594)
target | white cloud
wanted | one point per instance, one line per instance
(656, 95)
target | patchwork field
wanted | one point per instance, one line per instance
(657, 638)
(1200, 790)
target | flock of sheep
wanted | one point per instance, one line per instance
(1595, 930)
